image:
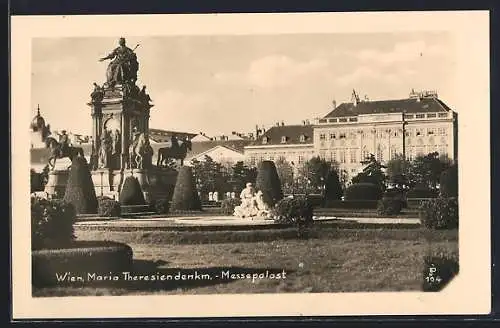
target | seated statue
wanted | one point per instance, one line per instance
(247, 207)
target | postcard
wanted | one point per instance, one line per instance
(229, 165)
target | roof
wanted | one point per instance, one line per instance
(291, 132)
(206, 152)
(160, 135)
(410, 105)
(203, 146)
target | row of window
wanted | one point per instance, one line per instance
(407, 116)
(383, 133)
(428, 115)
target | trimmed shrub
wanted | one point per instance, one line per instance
(80, 258)
(80, 189)
(439, 213)
(363, 191)
(389, 206)
(421, 192)
(36, 181)
(131, 193)
(108, 207)
(352, 204)
(185, 197)
(297, 211)
(269, 183)
(448, 183)
(333, 187)
(228, 205)
(51, 223)
(161, 206)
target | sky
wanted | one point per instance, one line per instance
(223, 83)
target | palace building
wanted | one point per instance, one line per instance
(293, 143)
(417, 125)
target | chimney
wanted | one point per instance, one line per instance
(303, 122)
(334, 103)
(282, 123)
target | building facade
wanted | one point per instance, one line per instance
(292, 143)
(417, 125)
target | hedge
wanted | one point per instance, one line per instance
(108, 207)
(449, 182)
(421, 192)
(363, 191)
(352, 204)
(439, 213)
(80, 258)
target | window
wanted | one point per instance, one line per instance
(353, 119)
(380, 153)
(353, 155)
(441, 131)
(418, 132)
(342, 120)
(431, 131)
(342, 135)
(365, 154)
(253, 159)
(281, 158)
(443, 115)
(393, 152)
(420, 116)
(322, 120)
(334, 155)
(408, 116)
(342, 156)
(332, 136)
(283, 139)
(395, 133)
(431, 115)
(322, 136)
(271, 157)
(301, 159)
(265, 140)
(302, 138)
(332, 120)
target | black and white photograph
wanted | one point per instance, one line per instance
(322, 164)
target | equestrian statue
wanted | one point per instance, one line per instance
(140, 152)
(177, 150)
(61, 149)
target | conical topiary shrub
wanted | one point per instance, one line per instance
(269, 183)
(185, 197)
(333, 188)
(80, 189)
(131, 193)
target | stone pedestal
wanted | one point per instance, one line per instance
(142, 177)
(56, 184)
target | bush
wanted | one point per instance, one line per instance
(421, 192)
(51, 222)
(161, 206)
(131, 193)
(269, 183)
(333, 187)
(352, 204)
(439, 213)
(448, 182)
(228, 205)
(80, 189)
(108, 207)
(185, 197)
(363, 191)
(297, 211)
(389, 206)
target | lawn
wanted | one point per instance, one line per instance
(333, 260)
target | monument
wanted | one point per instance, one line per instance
(120, 114)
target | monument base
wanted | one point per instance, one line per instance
(56, 184)
(107, 182)
(142, 176)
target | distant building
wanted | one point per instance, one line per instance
(39, 130)
(222, 151)
(159, 136)
(293, 143)
(352, 131)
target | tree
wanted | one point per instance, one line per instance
(210, 175)
(131, 193)
(241, 174)
(269, 183)
(448, 184)
(372, 173)
(285, 173)
(80, 190)
(315, 171)
(426, 170)
(397, 171)
(185, 196)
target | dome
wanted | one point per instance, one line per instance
(38, 121)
